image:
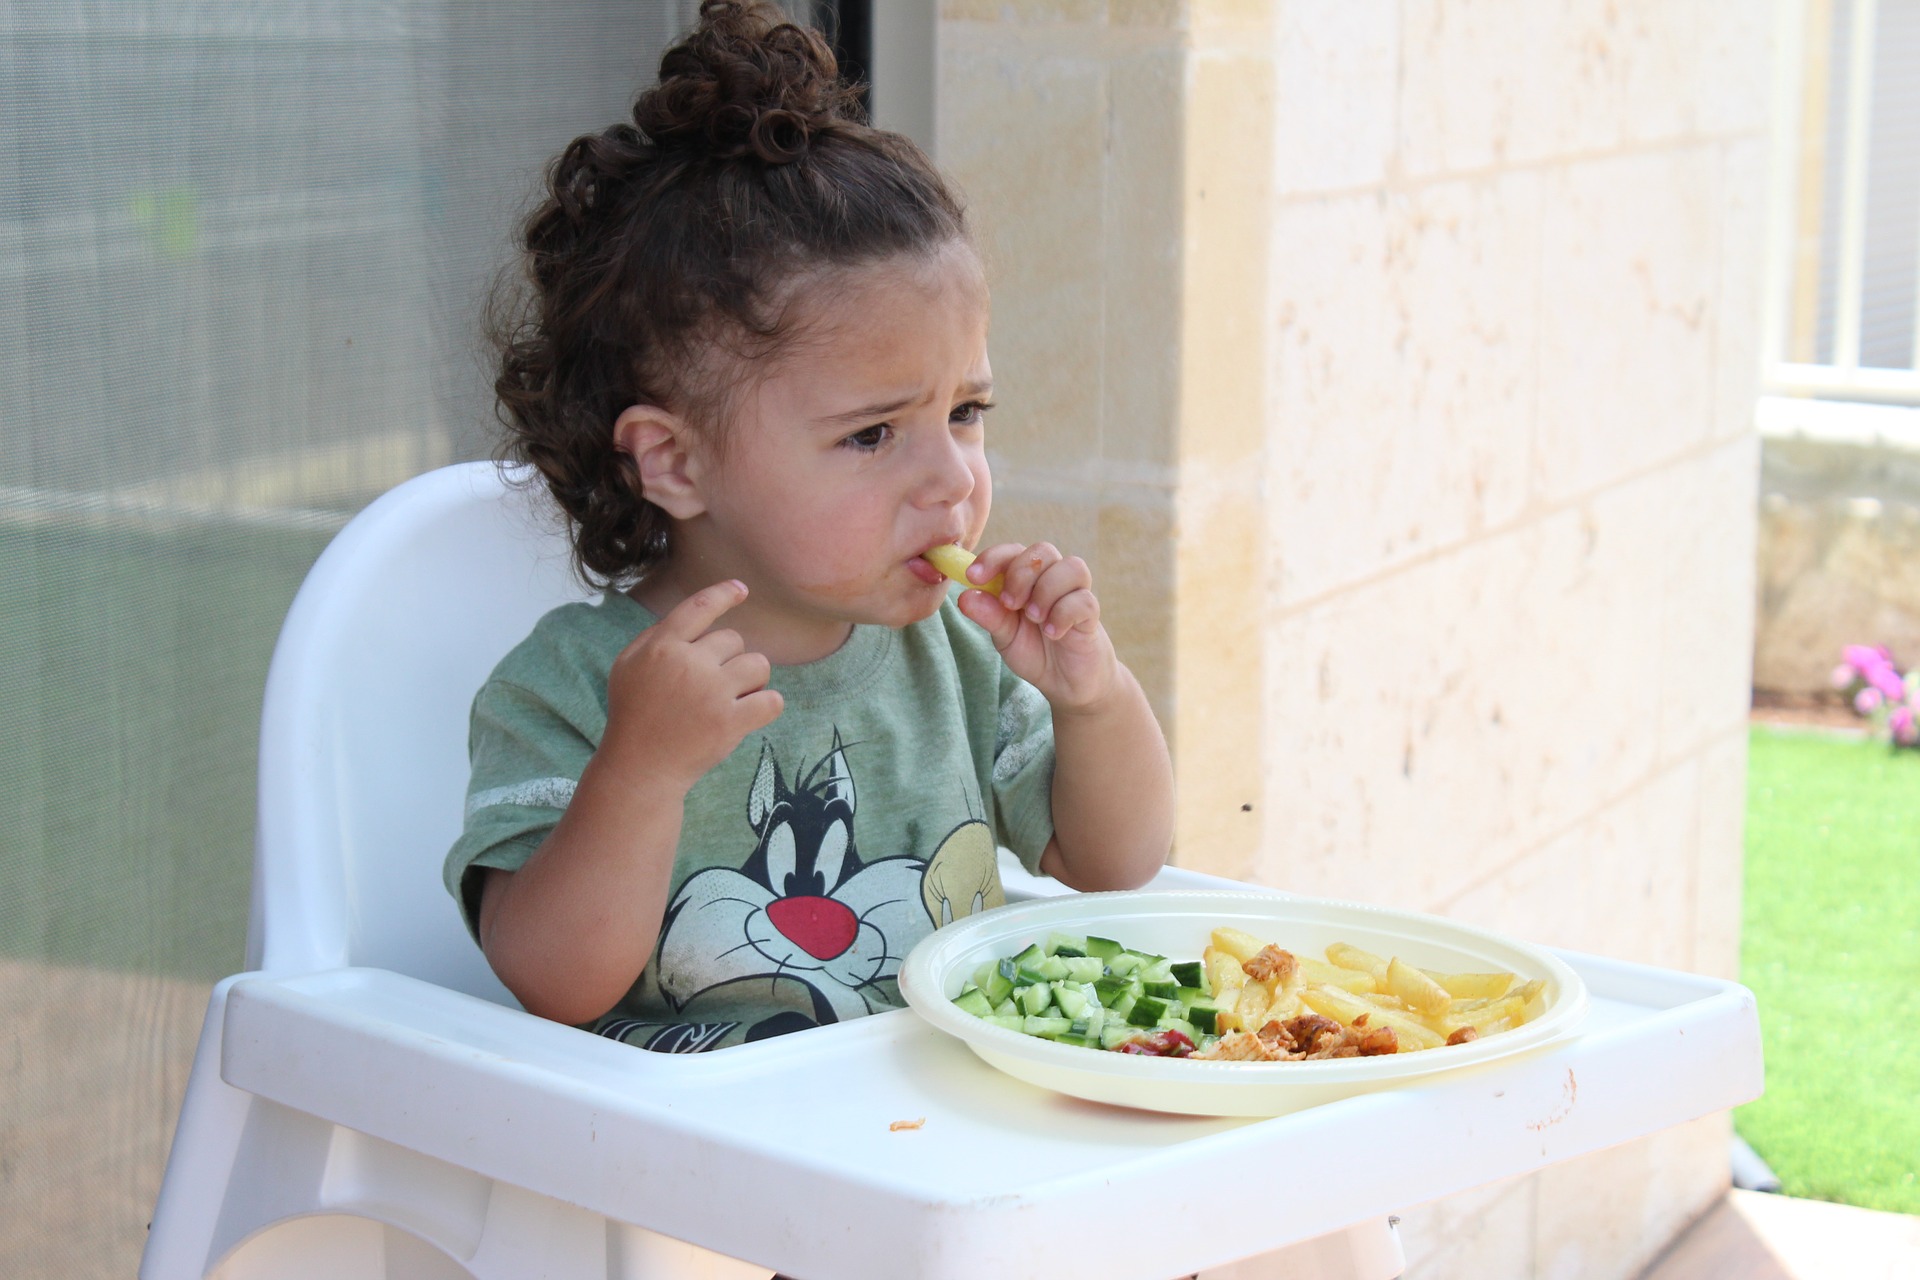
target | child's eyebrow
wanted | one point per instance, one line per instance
(883, 409)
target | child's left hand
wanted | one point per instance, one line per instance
(1045, 622)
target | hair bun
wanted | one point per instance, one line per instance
(746, 82)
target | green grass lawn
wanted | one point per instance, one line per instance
(1831, 948)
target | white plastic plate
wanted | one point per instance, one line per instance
(1178, 924)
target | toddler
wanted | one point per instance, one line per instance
(723, 801)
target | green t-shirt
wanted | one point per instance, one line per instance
(812, 858)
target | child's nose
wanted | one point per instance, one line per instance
(947, 476)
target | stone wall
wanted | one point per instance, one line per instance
(1839, 558)
(1394, 363)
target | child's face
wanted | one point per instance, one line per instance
(863, 447)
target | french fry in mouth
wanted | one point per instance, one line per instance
(953, 560)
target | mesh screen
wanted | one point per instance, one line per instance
(243, 247)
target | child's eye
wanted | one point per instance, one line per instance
(869, 440)
(970, 414)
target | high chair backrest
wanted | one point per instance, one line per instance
(363, 739)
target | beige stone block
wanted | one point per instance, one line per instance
(1017, 12)
(1025, 138)
(1720, 857)
(1143, 211)
(1735, 75)
(1629, 274)
(1070, 521)
(1135, 582)
(1428, 727)
(1217, 730)
(1620, 883)
(1227, 212)
(1336, 94)
(1471, 1236)
(1706, 633)
(1607, 1215)
(1404, 386)
(1171, 14)
(1740, 302)
(1490, 82)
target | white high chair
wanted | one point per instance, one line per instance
(368, 1101)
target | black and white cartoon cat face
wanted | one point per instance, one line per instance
(803, 907)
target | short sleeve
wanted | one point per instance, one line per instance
(527, 759)
(1023, 769)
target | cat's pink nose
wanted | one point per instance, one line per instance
(820, 927)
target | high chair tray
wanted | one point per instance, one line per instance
(889, 1131)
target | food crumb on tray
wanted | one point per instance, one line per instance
(898, 1125)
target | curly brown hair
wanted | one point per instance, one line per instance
(680, 236)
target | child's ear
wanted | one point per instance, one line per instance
(659, 444)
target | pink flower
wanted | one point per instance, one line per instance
(1843, 675)
(1867, 701)
(1864, 658)
(1888, 682)
(1901, 722)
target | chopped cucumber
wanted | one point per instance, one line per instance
(1085, 969)
(1073, 999)
(1091, 992)
(989, 979)
(1147, 1011)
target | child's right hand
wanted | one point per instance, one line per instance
(680, 698)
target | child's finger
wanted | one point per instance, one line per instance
(1001, 623)
(1079, 608)
(991, 562)
(722, 644)
(1056, 581)
(746, 672)
(1023, 570)
(758, 710)
(689, 620)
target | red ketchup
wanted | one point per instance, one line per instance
(1159, 1044)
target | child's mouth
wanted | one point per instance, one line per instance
(919, 567)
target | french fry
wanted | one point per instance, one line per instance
(1252, 1004)
(1350, 957)
(1240, 945)
(1472, 986)
(1224, 974)
(1480, 1014)
(1321, 974)
(1421, 993)
(953, 559)
(1343, 1007)
(1530, 991)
